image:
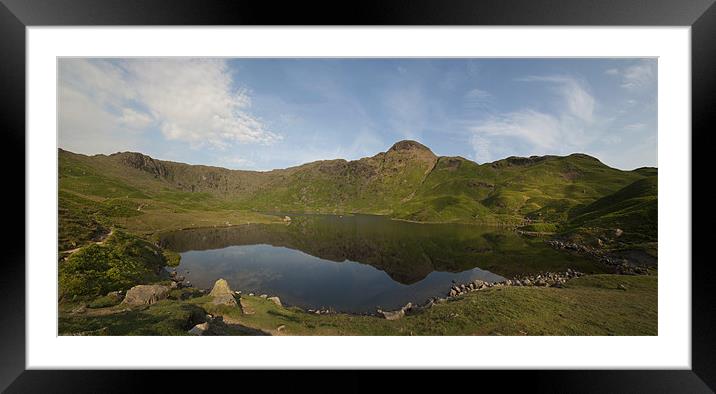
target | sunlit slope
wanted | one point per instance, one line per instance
(406, 182)
(545, 188)
(628, 215)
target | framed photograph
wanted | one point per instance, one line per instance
(463, 186)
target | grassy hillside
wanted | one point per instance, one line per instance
(544, 188)
(576, 195)
(97, 193)
(627, 217)
(591, 305)
(112, 208)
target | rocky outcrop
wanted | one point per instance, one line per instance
(221, 294)
(145, 294)
(620, 264)
(275, 300)
(199, 329)
(142, 163)
(395, 315)
(545, 279)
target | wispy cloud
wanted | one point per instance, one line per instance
(635, 126)
(188, 100)
(478, 99)
(538, 131)
(636, 76)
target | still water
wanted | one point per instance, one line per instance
(359, 262)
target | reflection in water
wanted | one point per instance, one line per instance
(311, 282)
(355, 263)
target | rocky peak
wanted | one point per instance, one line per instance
(141, 162)
(409, 145)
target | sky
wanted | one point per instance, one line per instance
(261, 114)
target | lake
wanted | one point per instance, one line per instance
(356, 263)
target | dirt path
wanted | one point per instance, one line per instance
(100, 242)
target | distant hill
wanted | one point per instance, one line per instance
(408, 181)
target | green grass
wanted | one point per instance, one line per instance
(590, 305)
(576, 195)
(632, 209)
(104, 301)
(541, 227)
(163, 318)
(121, 262)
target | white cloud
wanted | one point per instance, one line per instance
(134, 120)
(538, 131)
(635, 126)
(188, 100)
(636, 76)
(235, 162)
(477, 99)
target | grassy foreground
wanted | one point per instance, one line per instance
(590, 305)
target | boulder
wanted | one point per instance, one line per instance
(199, 329)
(275, 300)
(395, 315)
(221, 294)
(392, 315)
(145, 294)
(80, 309)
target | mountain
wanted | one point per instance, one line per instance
(408, 181)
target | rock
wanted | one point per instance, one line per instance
(263, 296)
(275, 300)
(222, 294)
(286, 218)
(621, 287)
(80, 309)
(145, 294)
(393, 315)
(281, 327)
(453, 293)
(199, 329)
(618, 232)
(251, 294)
(173, 285)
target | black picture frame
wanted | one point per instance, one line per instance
(16, 15)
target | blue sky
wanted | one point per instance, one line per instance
(261, 114)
